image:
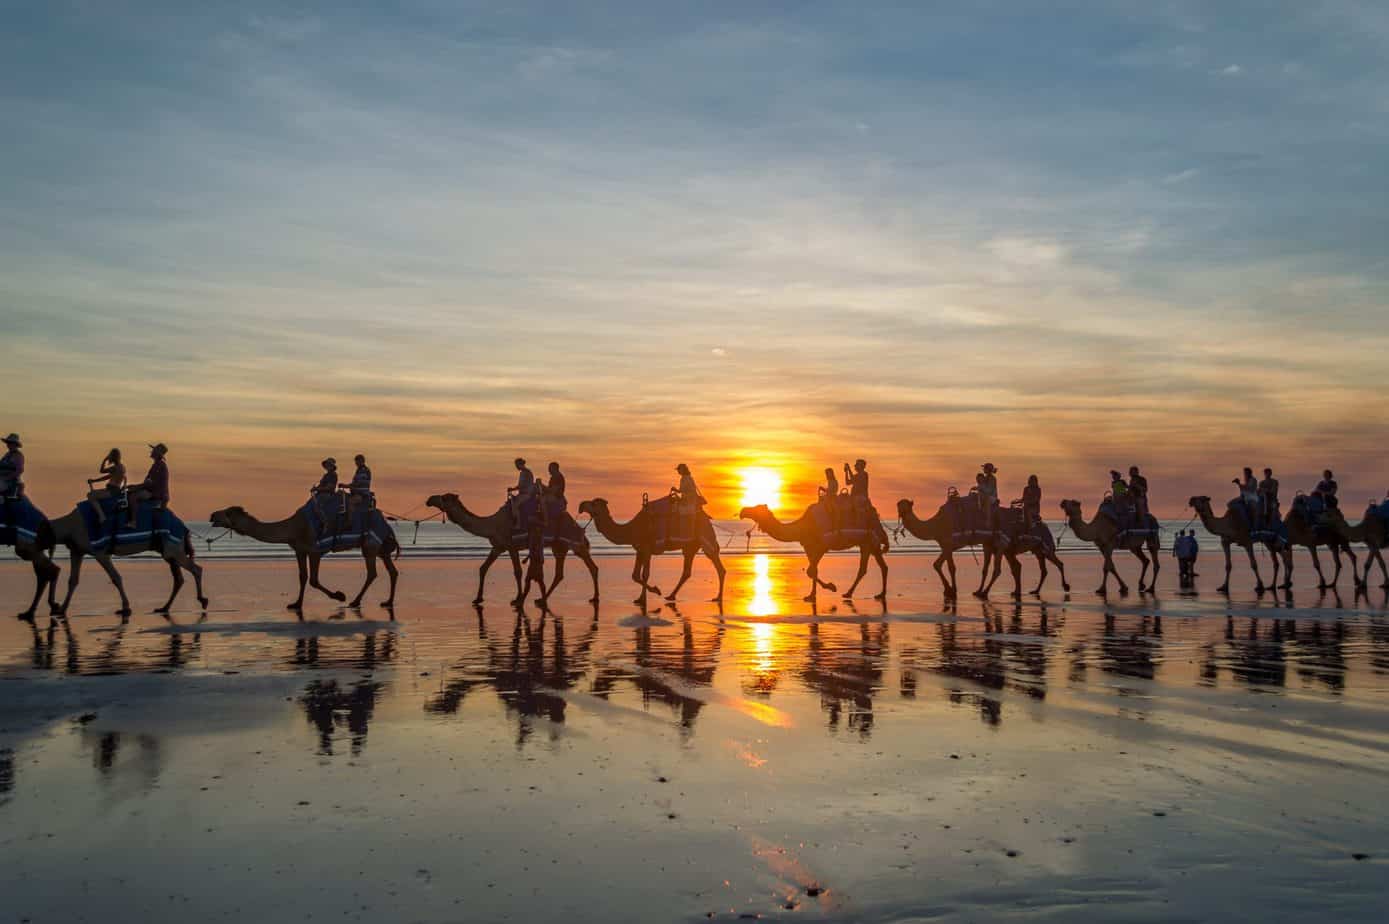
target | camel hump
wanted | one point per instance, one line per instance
(20, 520)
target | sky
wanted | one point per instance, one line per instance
(1061, 237)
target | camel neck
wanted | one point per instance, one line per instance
(613, 531)
(275, 531)
(782, 532)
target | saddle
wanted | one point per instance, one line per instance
(155, 525)
(1125, 516)
(673, 528)
(19, 520)
(969, 521)
(337, 527)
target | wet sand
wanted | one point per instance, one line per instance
(1145, 759)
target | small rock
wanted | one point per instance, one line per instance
(1159, 814)
(1011, 853)
(814, 890)
(303, 801)
(954, 756)
(1360, 856)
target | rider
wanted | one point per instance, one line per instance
(155, 487)
(1032, 500)
(12, 468)
(688, 498)
(113, 476)
(1268, 498)
(1138, 488)
(1326, 490)
(523, 490)
(1119, 491)
(857, 479)
(1248, 492)
(328, 484)
(988, 490)
(359, 489)
(552, 494)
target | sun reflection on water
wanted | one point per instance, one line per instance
(762, 603)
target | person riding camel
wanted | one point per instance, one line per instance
(688, 499)
(829, 495)
(1119, 491)
(1031, 501)
(988, 492)
(1268, 499)
(857, 479)
(553, 502)
(155, 487)
(12, 469)
(522, 491)
(328, 484)
(359, 488)
(1248, 492)
(112, 475)
(1138, 490)
(1326, 490)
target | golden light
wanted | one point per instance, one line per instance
(761, 486)
(762, 602)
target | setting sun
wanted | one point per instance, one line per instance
(761, 486)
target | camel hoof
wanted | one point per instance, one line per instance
(1102, 592)
(670, 598)
(808, 598)
(26, 616)
(831, 588)
(1016, 595)
(880, 596)
(338, 596)
(355, 604)
(161, 611)
(295, 606)
(1123, 591)
(1066, 588)
(203, 602)
(123, 611)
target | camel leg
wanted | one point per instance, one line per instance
(178, 585)
(43, 577)
(110, 568)
(196, 570)
(559, 552)
(592, 567)
(711, 551)
(1015, 567)
(516, 572)
(686, 569)
(989, 556)
(1254, 566)
(944, 581)
(1109, 569)
(300, 558)
(1355, 566)
(369, 560)
(1316, 563)
(954, 583)
(314, 559)
(813, 572)
(1224, 545)
(862, 570)
(1143, 572)
(641, 570)
(1379, 557)
(1041, 576)
(392, 574)
(882, 566)
(492, 556)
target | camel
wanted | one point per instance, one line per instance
(640, 533)
(71, 531)
(36, 548)
(1233, 529)
(815, 543)
(940, 529)
(1043, 546)
(497, 530)
(1373, 531)
(1303, 532)
(298, 533)
(1104, 533)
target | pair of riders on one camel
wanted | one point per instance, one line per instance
(114, 485)
(1130, 497)
(352, 495)
(528, 487)
(985, 494)
(1260, 497)
(854, 498)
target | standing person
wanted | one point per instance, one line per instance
(359, 488)
(112, 475)
(155, 487)
(1268, 499)
(1032, 501)
(1138, 489)
(12, 468)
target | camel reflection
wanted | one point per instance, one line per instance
(331, 707)
(844, 664)
(661, 668)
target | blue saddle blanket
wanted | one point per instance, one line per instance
(153, 525)
(19, 521)
(1380, 510)
(336, 531)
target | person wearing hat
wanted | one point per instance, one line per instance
(988, 490)
(12, 468)
(328, 484)
(1138, 488)
(688, 498)
(155, 487)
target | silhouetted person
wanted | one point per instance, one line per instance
(12, 468)
(554, 489)
(857, 479)
(1268, 498)
(831, 484)
(1119, 490)
(1326, 490)
(523, 490)
(1032, 500)
(328, 484)
(155, 488)
(112, 476)
(359, 488)
(688, 498)
(1138, 491)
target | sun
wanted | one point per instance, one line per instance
(761, 486)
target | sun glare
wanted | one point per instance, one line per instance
(761, 486)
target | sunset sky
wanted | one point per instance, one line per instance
(625, 235)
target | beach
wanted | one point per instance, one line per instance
(1142, 759)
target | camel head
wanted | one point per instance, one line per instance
(759, 511)
(1199, 502)
(593, 507)
(437, 501)
(904, 507)
(1071, 507)
(223, 519)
